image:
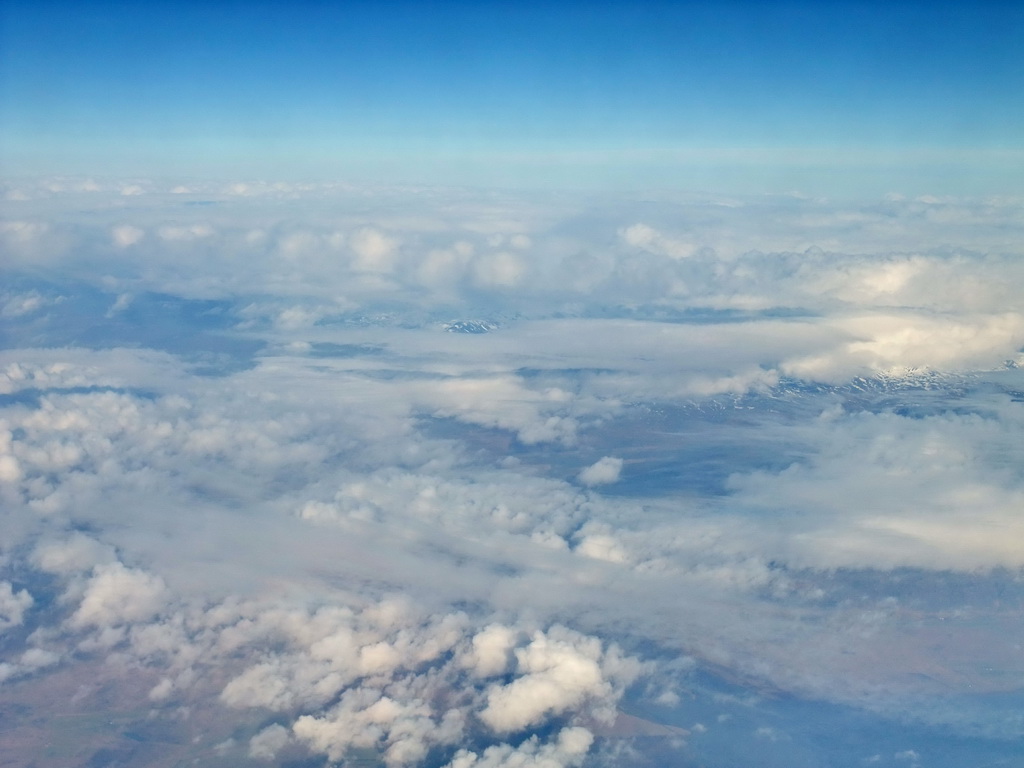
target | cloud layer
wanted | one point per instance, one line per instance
(455, 480)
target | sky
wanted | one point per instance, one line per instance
(511, 386)
(832, 97)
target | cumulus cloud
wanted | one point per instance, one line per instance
(12, 605)
(558, 671)
(893, 343)
(598, 542)
(647, 238)
(365, 719)
(374, 251)
(568, 749)
(491, 651)
(74, 554)
(116, 594)
(604, 470)
(267, 743)
(499, 270)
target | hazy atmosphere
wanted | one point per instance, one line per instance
(493, 385)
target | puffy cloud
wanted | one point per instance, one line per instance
(894, 343)
(597, 542)
(443, 268)
(267, 743)
(38, 658)
(75, 554)
(260, 686)
(568, 749)
(22, 231)
(556, 672)
(605, 470)
(10, 469)
(13, 605)
(125, 235)
(116, 594)
(491, 651)
(374, 250)
(45, 369)
(363, 718)
(649, 239)
(504, 402)
(499, 270)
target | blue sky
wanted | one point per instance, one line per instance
(746, 96)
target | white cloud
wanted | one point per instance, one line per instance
(443, 268)
(23, 304)
(293, 318)
(124, 301)
(267, 743)
(264, 685)
(38, 658)
(22, 231)
(601, 545)
(894, 343)
(603, 471)
(75, 554)
(374, 250)
(10, 468)
(568, 749)
(13, 605)
(499, 270)
(116, 594)
(491, 651)
(125, 235)
(647, 238)
(887, 491)
(504, 402)
(365, 718)
(556, 672)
